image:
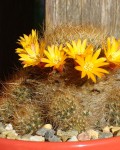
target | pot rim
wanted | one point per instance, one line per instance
(99, 144)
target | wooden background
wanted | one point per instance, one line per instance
(104, 13)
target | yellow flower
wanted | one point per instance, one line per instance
(112, 52)
(78, 48)
(55, 57)
(91, 65)
(31, 51)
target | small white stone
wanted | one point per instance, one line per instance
(41, 131)
(10, 134)
(2, 128)
(47, 126)
(68, 133)
(73, 139)
(37, 138)
(106, 129)
(19, 137)
(115, 129)
(2, 136)
(65, 135)
(9, 127)
(118, 134)
(26, 137)
(83, 136)
(93, 134)
(105, 135)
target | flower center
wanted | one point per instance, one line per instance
(33, 47)
(57, 60)
(88, 66)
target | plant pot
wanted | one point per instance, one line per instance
(102, 144)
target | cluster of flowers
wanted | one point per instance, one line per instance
(89, 62)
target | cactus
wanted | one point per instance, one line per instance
(45, 97)
(42, 95)
(112, 106)
(66, 33)
(65, 111)
(101, 101)
(18, 106)
(112, 113)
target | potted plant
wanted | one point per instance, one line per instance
(70, 80)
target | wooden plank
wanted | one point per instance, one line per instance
(95, 13)
(60, 11)
(108, 14)
(117, 20)
(103, 13)
(86, 6)
(114, 15)
(76, 12)
(69, 10)
(50, 17)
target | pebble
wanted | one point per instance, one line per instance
(9, 134)
(92, 134)
(42, 131)
(106, 129)
(47, 133)
(105, 135)
(12, 135)
(50, 136)
(2, 127)
(65, 135)
(73, 139)
(26, 137)
(7, 131)
(37, 138)
(2, 136)
(9, 127)
(47, 126)
(118, 134)
(115, 129)
(54, 138)
(83, 136)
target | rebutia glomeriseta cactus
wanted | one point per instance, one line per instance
(18, 108)
(70, 78)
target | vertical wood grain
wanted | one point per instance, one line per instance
(77, 11)
(60, 11)
(86, 6)
(95, 12)
(69, 10)
(117, 19)
(108, 14)
(50, 14)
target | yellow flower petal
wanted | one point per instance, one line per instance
(78, 68)
(112, 51)
(96, 55)
(83, 46)
(55, 57)
(91, 66)
(76, 48)
(102, 70)
(92, 77)
(31, 51)
(98, 74)
(83, 74)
